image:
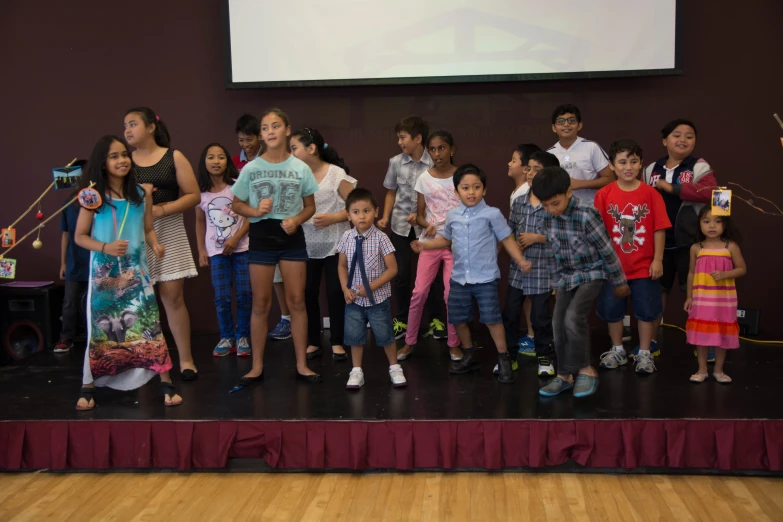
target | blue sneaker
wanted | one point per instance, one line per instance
(527, 346)
(654, 350)
(281, 331)
(224, 347)
(710, 355)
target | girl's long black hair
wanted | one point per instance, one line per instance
(96, 172)
(309, 136)
(205, 178)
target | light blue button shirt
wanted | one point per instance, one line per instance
(474, 233)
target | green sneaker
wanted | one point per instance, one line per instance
(437, 330)
(400, 329)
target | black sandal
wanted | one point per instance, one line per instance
(189, 375)
(169, 390)
(87, 394)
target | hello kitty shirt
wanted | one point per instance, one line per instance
(222, 222)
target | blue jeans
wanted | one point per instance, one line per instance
(227, 272)
(379, 317)
(645, 299)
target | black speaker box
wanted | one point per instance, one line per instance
(29, 319)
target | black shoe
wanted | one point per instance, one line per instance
(312, 379)
(505, 373)
(312, 355)
(467, 364)
(339, 357)
(249, 381)
(189, 375)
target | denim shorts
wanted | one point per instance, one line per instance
(379, 317)
(645, 299)
(273, 257)
(461, 302)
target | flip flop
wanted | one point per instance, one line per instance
(87, 394)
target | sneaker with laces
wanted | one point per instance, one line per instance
(545, 367)
(355, 379)
(281, 331)
(527, 346)
(400, 328)
(397, 377)
(644, 362)
(654, 350)
(243, 347)
(224, 347)
(612, 359)
(437, 329)
(514, 367)
(63, 345)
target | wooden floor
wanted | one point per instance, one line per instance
(426, 497)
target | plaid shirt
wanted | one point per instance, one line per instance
(582, 247)
(401, 176)
(376, 245)
(525, 218)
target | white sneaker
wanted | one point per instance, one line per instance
(397, 377)
(355, 379)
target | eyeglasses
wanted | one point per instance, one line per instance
(563, 121)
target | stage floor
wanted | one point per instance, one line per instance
(46, 387)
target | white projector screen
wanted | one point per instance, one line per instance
(360, 42)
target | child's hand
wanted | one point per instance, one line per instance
(526, 267)
(622, 291)
(663, 185)
(348, 295)
(430, 231)
(159, 250)
(157, 211)
(148, 188)
(264, 207)
(411, 219)
(362, 292)
(203, 259)
(656, 270)
(416, 246)
(116, 248)
(230, 246)
(688, 304)
(527, 239)
(322, 221)
(718, 275)
(382, 223)
(289, 225)
(62, 271)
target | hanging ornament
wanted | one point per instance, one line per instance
(39, 216)
(37, 244)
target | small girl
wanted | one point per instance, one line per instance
(275, 191)
(436, 196)
(126, 347)
(716, 261)
(322, 233)
(222, 244)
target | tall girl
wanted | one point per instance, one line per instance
(716, 261)
(322, 233)
(436, 196)
(222, 245)
(275, 191)
(174, 191)
(125, 345)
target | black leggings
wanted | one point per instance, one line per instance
(334, 300)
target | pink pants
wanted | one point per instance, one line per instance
(429, 261)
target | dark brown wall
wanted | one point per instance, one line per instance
(70, 69)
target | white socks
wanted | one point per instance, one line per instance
(286, 317)
(620, 349)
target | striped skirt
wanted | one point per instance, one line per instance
(178, 261)
(713, 316)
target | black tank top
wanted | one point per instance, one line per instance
(163, 176)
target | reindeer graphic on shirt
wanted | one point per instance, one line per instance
(628, 226)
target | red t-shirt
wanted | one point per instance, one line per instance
(239, 162)
(631, 219)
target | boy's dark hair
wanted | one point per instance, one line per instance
(525, 151)
(565, 109)
(669, 127)
(309, 136)
(204, 178)
(415, 126)
(728, 230)
(546, 159)
(248, 124)
(551, 182)
(469, 168)
(360, 194)
(148, 116)
(629, 146)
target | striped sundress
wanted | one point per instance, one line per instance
(713, 316)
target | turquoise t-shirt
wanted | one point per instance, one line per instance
(286, 183)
